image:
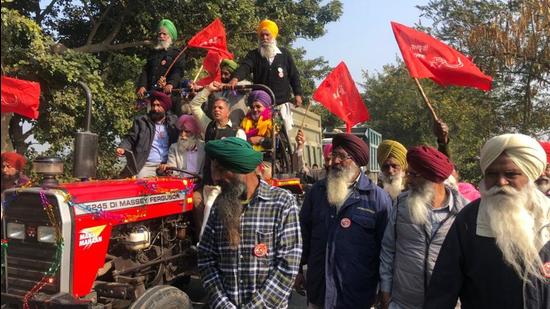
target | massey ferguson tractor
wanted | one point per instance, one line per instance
(96, 244)
(104, 243)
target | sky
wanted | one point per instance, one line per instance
(362, 37)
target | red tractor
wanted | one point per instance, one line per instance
(96, 244)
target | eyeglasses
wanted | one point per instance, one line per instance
(339, 155)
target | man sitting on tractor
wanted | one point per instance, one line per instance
(257, 124)
(150, 137)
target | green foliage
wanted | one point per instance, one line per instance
(104, 44)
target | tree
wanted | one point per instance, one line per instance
(104, 43)
(509, 40)
(399, 113)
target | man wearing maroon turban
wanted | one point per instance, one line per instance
(343, 220)
(543, 182)
(417, 227)
(12, 170)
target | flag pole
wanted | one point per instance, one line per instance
(198, 73)
(426, 99)
(173, 62)
(304, 119)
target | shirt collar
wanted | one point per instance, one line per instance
(229, 124)
(264, 191)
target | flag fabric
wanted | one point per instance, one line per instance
(20, 96)
(211, 64)
(340, 96)
(427, 57)
(212, 37)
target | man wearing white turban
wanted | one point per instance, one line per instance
(497, 253)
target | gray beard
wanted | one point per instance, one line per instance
(268, 50)
(515, 219)
(187, 145)
(419, 203)
(543, 186)
(338, 182)
(163, 45)
(393, 185)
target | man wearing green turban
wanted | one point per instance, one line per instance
(155, 74)
(392, 159)
(251, 246)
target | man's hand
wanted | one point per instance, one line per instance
(256, 140)
(300, 140)
(299, 284)
(120, 152)
(141, 92)
(441, 131)
(168, 88)
(385, 299)
(214, 86)
(233, 82)
(298, 101)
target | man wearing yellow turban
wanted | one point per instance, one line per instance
(274, 67)
(392, 159)
(497, 253)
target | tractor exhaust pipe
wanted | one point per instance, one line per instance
(86, 144)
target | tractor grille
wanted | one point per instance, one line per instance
(27, 259)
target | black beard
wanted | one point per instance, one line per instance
(156, 116)
(10, 179)
(229, 207)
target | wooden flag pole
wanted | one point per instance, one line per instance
(173, 62)
(304, 119)
(198, 73)
(426, 99)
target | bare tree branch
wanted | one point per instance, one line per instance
(101, 47)
(46, 11)
(97, 24)
(117, 26)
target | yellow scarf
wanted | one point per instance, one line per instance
(264, 127)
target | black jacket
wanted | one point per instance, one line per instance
(280, 76)
(139, 138)
(156, 66)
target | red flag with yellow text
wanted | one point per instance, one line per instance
(212, 37)
(427, 57)
(340, 96)
(20, 96)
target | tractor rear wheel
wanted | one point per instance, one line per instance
(161, 297)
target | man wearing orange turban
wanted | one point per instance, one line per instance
(12, 170)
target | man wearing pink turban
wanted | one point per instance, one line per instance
(188, 152)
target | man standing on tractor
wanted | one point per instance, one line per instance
(274, 67)
(250, 250)
(162, 57)
(150, 137)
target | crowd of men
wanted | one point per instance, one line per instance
(417, 239)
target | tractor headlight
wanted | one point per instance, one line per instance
(16, 230)
(46, 234)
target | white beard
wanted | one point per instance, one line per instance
(338, 182)
(515, 218)
(419, 202)
(451, 182)
(268, 50)
(393, 184)
(164, 44)
(188, 144)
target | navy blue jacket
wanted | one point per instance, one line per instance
(342, 250)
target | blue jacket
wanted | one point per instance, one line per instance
(342, 250)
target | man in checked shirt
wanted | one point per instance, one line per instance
(251, 247)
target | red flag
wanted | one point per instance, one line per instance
(427, 57)
(340, 96)
(20, 96)
(212, 38)
(211, 64)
